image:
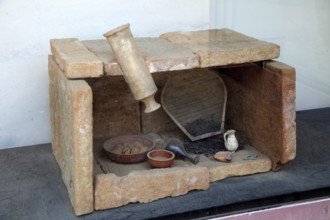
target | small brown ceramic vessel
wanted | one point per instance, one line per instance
(160, 158)
(223, 156)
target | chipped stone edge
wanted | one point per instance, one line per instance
(112, 68)
(217, 173)
(206, 59)
(288, 110)
(156, 179)
(73, 68)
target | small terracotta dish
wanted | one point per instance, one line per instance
(223, 156)
(160, 158)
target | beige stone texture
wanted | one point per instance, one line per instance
(261, 107)
(223, 46)
(119, 184)
(287, 86)
(115, 111)
(159, 55)
(158, 121)
(146, 186)
(71, 120)
(75, 59)
(240, 165)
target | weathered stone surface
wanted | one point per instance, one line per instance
(72, 135)
(159, 55)
(223, 46)
(146, 186)
(75, 59)
(115, 111)
(261, 107)
(288, 108)
(242, 163)
(158, 121)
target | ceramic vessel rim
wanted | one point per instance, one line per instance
(116, 30)
(160, 150)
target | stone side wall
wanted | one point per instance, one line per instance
(261, 107)
(72, 135)
(115, 111)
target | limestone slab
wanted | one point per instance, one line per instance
(72, 135)
(221, 47)
(159, 55)
(244, 162)
(288, 108)
(261, 107)
(147, 185)
(115, 111)
(75, 59)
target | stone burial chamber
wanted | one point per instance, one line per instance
(90, 102)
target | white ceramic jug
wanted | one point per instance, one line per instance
(231, 142)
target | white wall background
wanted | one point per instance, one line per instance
(27, 26)
(300, 27)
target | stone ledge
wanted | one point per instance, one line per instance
(159, 55)
(75, 59)
(147, 185)
(239, 166)
(172, 51)
(221, 47)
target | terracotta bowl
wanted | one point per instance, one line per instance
(160, 158)
(131, 140)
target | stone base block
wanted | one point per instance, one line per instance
(147, 185)
(75, 59)
(244, 162)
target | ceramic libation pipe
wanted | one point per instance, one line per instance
(133, 66)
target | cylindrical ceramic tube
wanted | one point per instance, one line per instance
(133, 66)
